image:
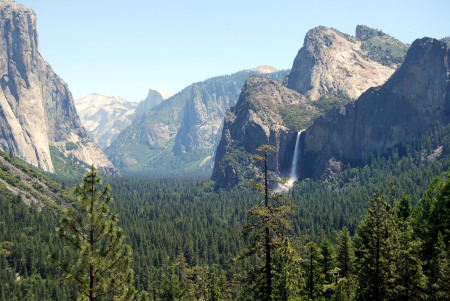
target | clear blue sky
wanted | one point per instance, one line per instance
(123, 48)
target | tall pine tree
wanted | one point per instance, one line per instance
(376, 244)
(101, 267)
(410, 282)
(268, 222)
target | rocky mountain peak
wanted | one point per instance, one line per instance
(164, 93)
(417, 83)
(36, 107)
(104, 117)
(264, 69)
(414, 100)
(154, 98)
(332, 63)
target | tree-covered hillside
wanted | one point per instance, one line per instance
(185, 236)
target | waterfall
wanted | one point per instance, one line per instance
(294, 176)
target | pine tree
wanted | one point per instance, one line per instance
(345, 262)
(410, 282)
(268, 222)
(345, 253)
(376, 243)
(101, 267)
(313, 270)
(170, 289)
(328, 261)
(440, 265)
(432, 215)
(288, 276)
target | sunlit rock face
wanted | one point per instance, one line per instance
(331, 63)
(36, 106)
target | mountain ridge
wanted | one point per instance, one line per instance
(185, 128)
(333, 63)
(105, 117)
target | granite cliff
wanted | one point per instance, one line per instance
(331, 69)
(333, 64)
(36, 107)
(260, 117)
(180, 135)
(153, 99)
(409, 104)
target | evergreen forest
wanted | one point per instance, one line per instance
(378, 230)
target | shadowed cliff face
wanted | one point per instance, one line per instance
(408, 105)
(36, 107)
(333, 63)
(258, 118)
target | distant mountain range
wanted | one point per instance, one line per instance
(105, 117)
(180, 135)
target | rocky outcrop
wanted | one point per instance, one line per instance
(180, 135)
(154, 98)
(258, 118)
(36, 106)
(409, 104)
(334, 64)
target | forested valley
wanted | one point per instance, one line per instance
(375, 231)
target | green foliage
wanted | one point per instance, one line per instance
(31, 183)
(376, 241)
(326, 103)
(67, 166)
(328, 261)
(440, 271)
(289, 282)
(71, 146)
(313, 271)
(167, 217)
(345, 253)
(296, 118)
(432, 215)
(25, 241)
(388, 53)
(410, 281)
(265, 230)
(101, 268)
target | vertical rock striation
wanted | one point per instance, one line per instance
(36, 106)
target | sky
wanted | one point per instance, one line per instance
(124, 48)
